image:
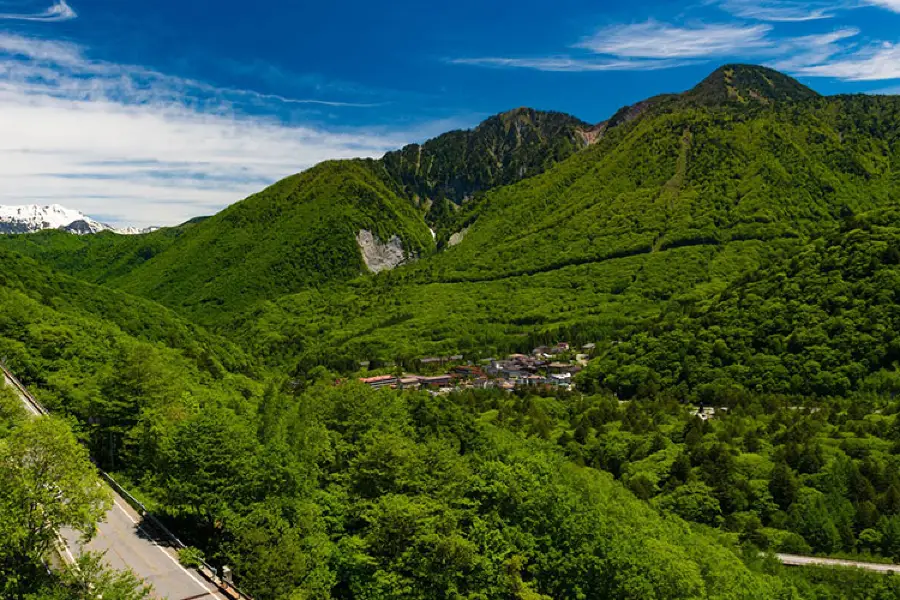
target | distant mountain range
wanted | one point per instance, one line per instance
(31, 218)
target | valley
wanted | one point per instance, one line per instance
(538, 359)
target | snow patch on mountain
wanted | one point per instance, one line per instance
(382, 256)
(31, 218)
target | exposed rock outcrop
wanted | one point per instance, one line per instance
(382, 256)
(457, 237)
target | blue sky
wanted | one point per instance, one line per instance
(153, 112)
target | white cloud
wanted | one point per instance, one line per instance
(569, 64)
(873, 63)
(799, 52)
(834, 55)
(782, 10)
(642, 47)
(654, 40)
(893, 5)
(60, 11)
(133, 146)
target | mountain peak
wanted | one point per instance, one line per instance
(30, 218)
(748, 83)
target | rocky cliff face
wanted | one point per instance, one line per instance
(382, 256)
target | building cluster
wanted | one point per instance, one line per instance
(546, 367)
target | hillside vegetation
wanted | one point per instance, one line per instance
(735, 245)
(669, 208)
(822, 321)
(108, 358)
(299, 233)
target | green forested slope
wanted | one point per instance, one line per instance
(388, 495)
(298, 233)
(100, 258)
(668, 208)
(109, 358)
(689, 176)
(453, 168)
(822, 321)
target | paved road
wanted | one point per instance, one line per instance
(129, 546)
(802, 561)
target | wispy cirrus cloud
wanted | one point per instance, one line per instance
(640, 47)
(59, 11)
(569, 64)
(797, 53)
(893, 5)
(782, 10)
(871, 63)
(798, 10)
(655, 40)
(135, 146)
(842, 53)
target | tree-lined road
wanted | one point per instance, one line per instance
(127, 544)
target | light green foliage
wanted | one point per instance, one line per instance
(89, 578)
(190, 557)
(46, 483)
(784, 474)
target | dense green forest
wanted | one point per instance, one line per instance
(814, 476)
(107, 358)
(735, 247)
(298, 233)
(820, 321)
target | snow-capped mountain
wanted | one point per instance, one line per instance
(31, 218)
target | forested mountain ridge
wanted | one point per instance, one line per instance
(100, 258)
(299, 232)
(654, 177)
(748, 84)
(669, 207)
(689, 175)
(503, 149)
(307, 238)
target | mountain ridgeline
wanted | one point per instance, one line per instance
(667, 210)
(502, 150)
(735, 245)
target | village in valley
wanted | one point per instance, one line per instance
(548, 367)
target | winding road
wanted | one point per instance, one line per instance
(127, 543)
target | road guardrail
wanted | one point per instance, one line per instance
(206, 570)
